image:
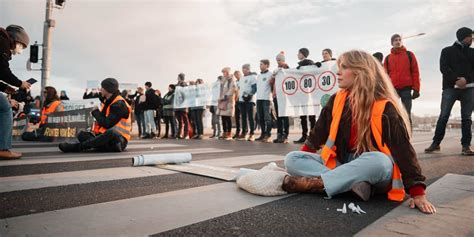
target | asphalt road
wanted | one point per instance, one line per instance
(46, 187)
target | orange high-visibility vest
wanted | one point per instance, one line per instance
(328, 153)
(123, 127)
(55, 106)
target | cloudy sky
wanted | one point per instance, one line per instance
(153, 40)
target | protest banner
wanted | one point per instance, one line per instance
(67, 124)
(80, 104)
(304, 91)
(20, 125)
(197, 95)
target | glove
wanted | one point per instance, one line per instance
(247, 98)
(415, 95)
(306, 148)
(318, 64)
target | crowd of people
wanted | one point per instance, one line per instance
(362, 132)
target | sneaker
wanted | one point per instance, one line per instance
(251, 138)
(466, 151)
(9, 155)
(241, 137)
(195, 136)
(433, 147)
(301, 140)
(267, 139)
(260, 138)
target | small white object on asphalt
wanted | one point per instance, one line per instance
(343, 210)
(353, 208)
(358, 208)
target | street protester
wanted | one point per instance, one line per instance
(51, 104)
(457, 66)
(283, 122)
(111, 131)
(226, 102)
(168, 114)
(13, 40)
(361, 150)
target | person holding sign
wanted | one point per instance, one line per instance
(264, 95)
(13, 40)
(364, 135)
(52, 104)
(111, 131)
(248, 88)
(283, 122)
(303, 54)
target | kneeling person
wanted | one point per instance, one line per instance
(111, 131)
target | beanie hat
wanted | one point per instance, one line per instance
(304, 51)
(280, 56)
(394, 37)
(18, 34)
(181, 76)
(110, 85)
(462, 33)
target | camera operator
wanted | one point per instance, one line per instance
(13, 40)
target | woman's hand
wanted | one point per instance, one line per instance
(422, 204)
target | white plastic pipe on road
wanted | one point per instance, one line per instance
(161, 159)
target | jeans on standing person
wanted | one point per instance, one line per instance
(140, 117)
(247, 110)
(237, 118)
(183, 126)
(375, 168)
(264, 117)
(150, 121)
(283, 123)
(159, 115)
(304, 124)
(216, 125)
(449, 97)
(6, 123)
(197, 121)
(405, 96)
(170, 124)
(226, 124)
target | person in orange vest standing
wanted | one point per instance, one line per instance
(365, 140)
(52, 104)
(111, 131)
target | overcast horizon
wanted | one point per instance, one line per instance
(139, 41)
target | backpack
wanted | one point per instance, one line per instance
(387, 66)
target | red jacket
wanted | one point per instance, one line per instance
(398, 68)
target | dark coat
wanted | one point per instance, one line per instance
(151, 100)
(6, 74)
(394, 134)
(305, 62)
(456, 61)
(118, 111)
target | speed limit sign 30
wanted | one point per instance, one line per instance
(326, 81)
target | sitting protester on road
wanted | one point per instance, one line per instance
(51, 104)
(113, 125)
(371, 132)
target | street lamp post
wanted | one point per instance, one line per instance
(47, 42)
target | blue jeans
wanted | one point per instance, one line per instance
(373, 167)
(264, 117)
(247, 110)
(150, 126)
(140, 117)
(6, 123)
(405, 96)
(449, 97)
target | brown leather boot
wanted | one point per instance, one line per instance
(297, 184)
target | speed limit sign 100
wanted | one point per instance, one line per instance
(289, 85)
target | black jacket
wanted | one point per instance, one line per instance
(456, 61)
(117, 111)
(151, 100)
(6, 74)
(394, 134)
(305, 62)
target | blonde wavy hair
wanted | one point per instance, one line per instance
(371, 83)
